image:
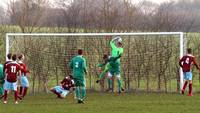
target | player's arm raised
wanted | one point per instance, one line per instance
(196, 64)
(112, 42)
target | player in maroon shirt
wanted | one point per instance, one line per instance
(9, 56)
(24, 80)
(67, 85)
(186, 63)
(12, 70)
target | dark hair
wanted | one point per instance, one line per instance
(70, 76)
(189, 50)
(14, 57)
(105, 56)
(9, 55)
(20, 56)
(119, 43)
(80, 51)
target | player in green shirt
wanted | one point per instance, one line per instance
(117, 50)
(113, 63)
(103, 66)
(2, 77)
(78, 65)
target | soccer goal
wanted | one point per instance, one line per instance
(149, 62)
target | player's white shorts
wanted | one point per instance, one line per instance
(10, 85)
(187, 75)
(110, 75)
(60, 90)
(24, 81)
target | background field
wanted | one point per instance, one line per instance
(107, 103)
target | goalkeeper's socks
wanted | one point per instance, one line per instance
(109, 84)
(190, 88)
(83, 93)
(119, 85)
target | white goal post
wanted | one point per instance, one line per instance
(179, 34)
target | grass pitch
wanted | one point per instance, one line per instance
(106, 103)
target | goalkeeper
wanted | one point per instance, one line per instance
(113, 64)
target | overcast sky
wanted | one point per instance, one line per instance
(3, 2)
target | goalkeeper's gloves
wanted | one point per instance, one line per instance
(116, 38)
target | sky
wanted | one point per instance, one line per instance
(3, 2)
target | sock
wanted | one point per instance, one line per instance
(109, 83)
(190, 88)
(184, 86)
(20, 90)
(119, 84)
(25, 91)
(5, 95)
(83, 93)
(16, 95)
(77, 91)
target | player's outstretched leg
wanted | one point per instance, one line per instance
(103, 73)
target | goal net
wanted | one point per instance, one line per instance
(149, 62)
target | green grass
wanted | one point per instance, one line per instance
(106, 103)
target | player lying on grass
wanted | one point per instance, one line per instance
(186, 63)
(65, 87)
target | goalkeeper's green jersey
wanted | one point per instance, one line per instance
(115, 50)
(78, 65)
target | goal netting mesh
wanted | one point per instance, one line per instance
(149, 62)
